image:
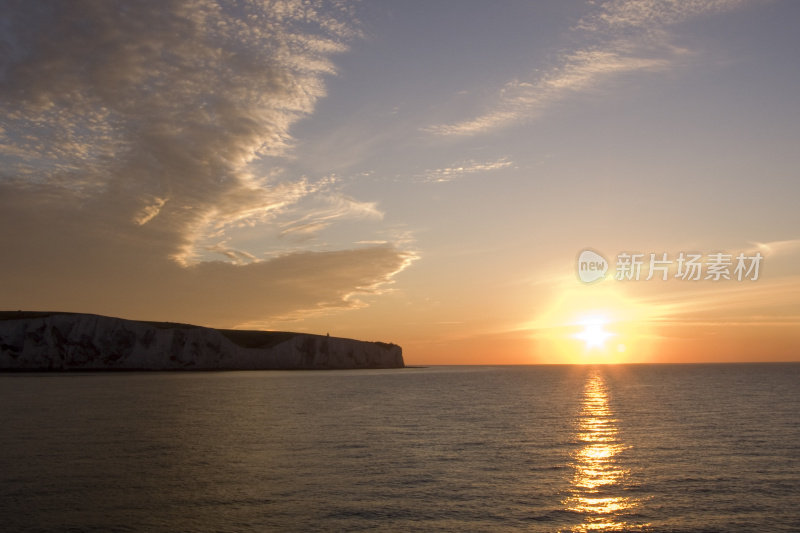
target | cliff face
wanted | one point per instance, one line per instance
(71, 341)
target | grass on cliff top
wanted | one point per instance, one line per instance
(24, 315)
(20, 315)
(268, 339)
(244, 338)
(257, 339)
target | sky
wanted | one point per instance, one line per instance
(424, 173)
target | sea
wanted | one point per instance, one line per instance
(662, 448)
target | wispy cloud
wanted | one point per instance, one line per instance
(333, 208)
(459, 170)
(762, 302)
(142, 130)
(647, 14)
(777, 247)
(237, 257)
(622, 36)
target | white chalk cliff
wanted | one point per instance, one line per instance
(73, 341)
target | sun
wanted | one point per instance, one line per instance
(593, 325)
(594, 335)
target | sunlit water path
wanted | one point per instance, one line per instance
(677, 448)
(600, 478)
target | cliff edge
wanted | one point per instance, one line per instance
(73, 341)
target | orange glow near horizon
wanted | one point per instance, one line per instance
(595, 325)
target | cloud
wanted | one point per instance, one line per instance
(331, 208)
(237, 257)
(135, 137)
(650, 13)
(762, 302)
(525, 100)
(777, 247)
(623, 36)
(439, 175)
(149, 211)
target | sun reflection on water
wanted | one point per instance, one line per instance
(597, 489)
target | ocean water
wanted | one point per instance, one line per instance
(539, 448)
